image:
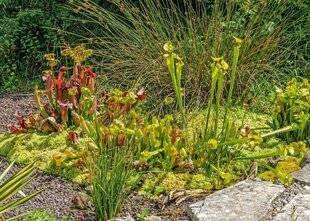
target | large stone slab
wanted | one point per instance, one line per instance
(246, 201)
(297, 209)
(303, 175)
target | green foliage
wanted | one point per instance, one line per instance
(215, 144)
(291, 107)
(110, 173)
(175, 67)
(12, 186)
(28, 30)
(41, 216)
(143, 214)
(129, 41)
(109, 169)
(156, 142)
(113, 133)
(290, 158)
(26, 34)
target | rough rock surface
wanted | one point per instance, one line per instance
(303, 175)
(298, 209)
(283, 199)
(247, 200)
(127, 218)
(153, 218)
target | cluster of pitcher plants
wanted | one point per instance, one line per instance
(66, 91)
(124, 139)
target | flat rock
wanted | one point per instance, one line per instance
(152, 218)
(298, 209)
(126, 218)
(248, 200)
(303, 175)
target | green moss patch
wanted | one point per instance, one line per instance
(44, 149)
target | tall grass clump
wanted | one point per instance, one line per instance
(109, 168)
(110, 174)
(128, 41)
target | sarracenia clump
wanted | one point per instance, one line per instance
(291, 109)
(62, 95)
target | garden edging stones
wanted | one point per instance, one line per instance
(247, 200)
(297, 209)
(127, 218)
(256, 200)
(303, 175)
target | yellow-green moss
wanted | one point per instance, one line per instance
(157, 184)
(29, 147)
(174, 181)
(196, 120)
(268, 176)
(200, 181)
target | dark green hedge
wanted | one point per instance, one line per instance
(28, 30)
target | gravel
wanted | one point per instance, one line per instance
(9, 104)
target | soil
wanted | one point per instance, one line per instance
(135, 204)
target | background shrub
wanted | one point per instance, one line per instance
(26, 34)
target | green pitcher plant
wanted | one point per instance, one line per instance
(175, 67)
(291, 110)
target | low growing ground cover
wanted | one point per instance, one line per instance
(56, 154)
(52, 153)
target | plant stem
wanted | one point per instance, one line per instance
(236, 54)
(215, 71)
(282, 130)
